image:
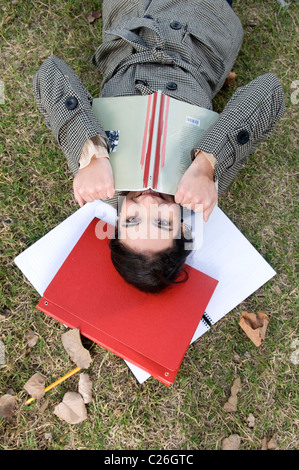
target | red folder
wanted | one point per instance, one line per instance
(152, 331)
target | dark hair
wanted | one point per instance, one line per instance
(153, 272)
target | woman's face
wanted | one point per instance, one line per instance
(149, 221)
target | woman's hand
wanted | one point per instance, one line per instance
(95, 181)
(197, 189)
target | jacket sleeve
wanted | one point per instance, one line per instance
(245, 122)
(66, 106)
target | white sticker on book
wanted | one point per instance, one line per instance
(194, 121)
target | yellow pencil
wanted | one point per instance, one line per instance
(57, 382)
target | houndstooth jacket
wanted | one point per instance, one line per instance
(185, 48)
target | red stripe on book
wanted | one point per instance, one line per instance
(146, 129)
(150, 142)
(159, 138)
(165, 132)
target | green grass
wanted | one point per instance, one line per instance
(36, 194)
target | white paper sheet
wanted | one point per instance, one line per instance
(41, 261)
(224, 253)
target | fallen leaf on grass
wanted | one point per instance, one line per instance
(231, 404)
(72, 343)
(2, 353)
(230, 79)
(294, 358)
(7, 405)
(250, 420)
(269, 444)
(232, 442)
(93, 15)
(84, 388)
(255, 326)
(72, 408)
(31, 338)
(35, 386)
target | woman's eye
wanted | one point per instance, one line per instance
(164, 222)
(131, 219)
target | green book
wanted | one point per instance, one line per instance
(151, 138)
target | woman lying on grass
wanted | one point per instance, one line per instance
(186, 50)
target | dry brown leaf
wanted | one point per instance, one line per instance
(35, 386)
(2, 353)
(93, 15)
(72, 343)
(255, 326)
(96, 14)
(264, 444)
(250, 420)
(294, 357)
(72, 408)
(31, 338)
(89, 17)
(236, 386)
(231, 404)
(270, 444)
(85, 386)
(230, 79)
(232, 442)
(7, 405)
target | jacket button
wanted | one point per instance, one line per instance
(175, 25)
(141, 82)
(243, 137)
(71, 102)
(171, 86)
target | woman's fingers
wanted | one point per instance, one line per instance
(199, 202)
(90, 195)
(207, 212)
(94, 182)
(111, 192)
(178, 197)
(79, 199)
